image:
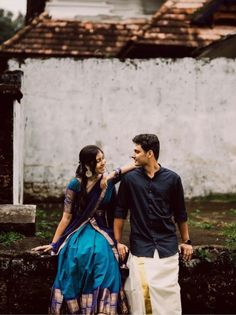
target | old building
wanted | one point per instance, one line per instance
(80, 87)
(175, 30)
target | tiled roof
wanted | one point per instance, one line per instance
(173, 25)
(178, 28)
(68, 38)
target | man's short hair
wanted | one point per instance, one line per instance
(148, 142)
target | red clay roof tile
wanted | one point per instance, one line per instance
(173, 26)
(178, 23)
(45, 36)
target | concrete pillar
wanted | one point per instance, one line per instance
(18, 145)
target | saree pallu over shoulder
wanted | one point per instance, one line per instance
(95, 197)
(88, 279)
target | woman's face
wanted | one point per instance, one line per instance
(101, 163)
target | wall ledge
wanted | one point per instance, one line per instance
(208, 281)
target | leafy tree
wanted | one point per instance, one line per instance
(9, 25)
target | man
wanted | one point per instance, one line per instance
(154, 195)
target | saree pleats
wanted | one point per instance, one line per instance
(88, 277)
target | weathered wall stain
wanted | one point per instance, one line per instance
(189, 103)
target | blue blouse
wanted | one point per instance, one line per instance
(105, 212)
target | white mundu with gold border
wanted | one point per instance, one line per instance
(152, 286)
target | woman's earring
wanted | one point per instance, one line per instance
(88, 173)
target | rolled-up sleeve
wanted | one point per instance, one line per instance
(122, 204)
(180, 213)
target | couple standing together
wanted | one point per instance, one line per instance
(88, 239)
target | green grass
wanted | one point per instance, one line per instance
(195, 212)
(46, 223)
(232, 211)
(204, 253)
(196, 220)
(221, 224)
(7, 238)
(205, 225)
(216, 197)
(229, 232)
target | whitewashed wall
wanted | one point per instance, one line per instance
(189, 104)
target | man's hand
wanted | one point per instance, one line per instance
(186, 251)
(122, 250)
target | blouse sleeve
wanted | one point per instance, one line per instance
(72, 191)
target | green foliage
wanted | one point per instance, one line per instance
(229, 231)
(9, 25)
(216, 197)
(232, 211)
(205, 225)
(218, 223)
(195, 213)
(46, 223)
(7, 238)
(204, 254)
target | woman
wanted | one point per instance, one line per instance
(88, 279)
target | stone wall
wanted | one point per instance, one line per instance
(70, 103)
(208, 282)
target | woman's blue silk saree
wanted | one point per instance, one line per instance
(88, 278)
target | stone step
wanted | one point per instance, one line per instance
(18, 218)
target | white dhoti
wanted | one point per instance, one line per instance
(152, 286)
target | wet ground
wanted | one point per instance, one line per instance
(210, 223)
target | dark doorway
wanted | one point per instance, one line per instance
(6, 149)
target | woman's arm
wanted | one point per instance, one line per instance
(116, 173)
(122, 170)
(66, 217)
(65, 220)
